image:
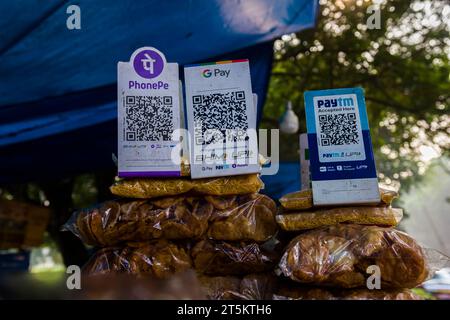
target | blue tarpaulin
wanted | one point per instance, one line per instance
(58, 86)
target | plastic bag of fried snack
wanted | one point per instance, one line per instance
(247, 217)
(304, 220)
(260, 286)
(225, 258)
(220, 287)
(339, 256)
(146, 188)
(303, 199)
(292, 292)
(159, 259)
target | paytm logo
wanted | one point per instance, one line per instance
(336, 102)
(207, 73)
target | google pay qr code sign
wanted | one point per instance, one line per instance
(220, 117)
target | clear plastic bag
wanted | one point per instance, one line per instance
(298, 200)
(339, 256)
(304, 220)
(146, 188)
(220, 287)
(159, 259)
(303, 199)
(247, 217)
(250, 287)
(224, 258)
(311, 293)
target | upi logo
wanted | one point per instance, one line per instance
(206, 73)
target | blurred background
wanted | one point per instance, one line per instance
(293, 46)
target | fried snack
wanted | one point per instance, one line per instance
(249, 218)
(303, 199)
(251, 287)
(387, 196)
(311, 293)
(339, 256)
(260, 286)
(224, 186)
(222, 258)
(221, 287)
(159, 259)
(381, 216)
(146, 188)
(120, 221)
(298, 200)
(221, 203)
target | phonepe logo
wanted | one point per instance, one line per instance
(148, 64)
(207, 73)
(335, 102)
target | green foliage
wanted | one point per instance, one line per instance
(403, 68)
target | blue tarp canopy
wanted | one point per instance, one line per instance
(58, 86)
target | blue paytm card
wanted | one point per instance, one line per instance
(342, 164)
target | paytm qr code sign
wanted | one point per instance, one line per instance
(338, 128)
(221, 119)
(148, 114)
(341, 157)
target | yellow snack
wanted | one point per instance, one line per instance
(150, 188)
(145, 188)
(224, 186)
(382, 216)
(303, 199)
(297, 200)
(387, 196)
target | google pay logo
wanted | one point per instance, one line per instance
(206, 73)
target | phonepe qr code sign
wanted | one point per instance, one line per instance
(148, 118)
(149, 112)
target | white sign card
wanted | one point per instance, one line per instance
(221, 117)
(148, 113)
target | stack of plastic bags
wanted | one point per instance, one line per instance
(241, 247)
(335, 251)
(159, 227)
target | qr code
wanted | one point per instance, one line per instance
(220, 117)
(338, 129)
(148, 118)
